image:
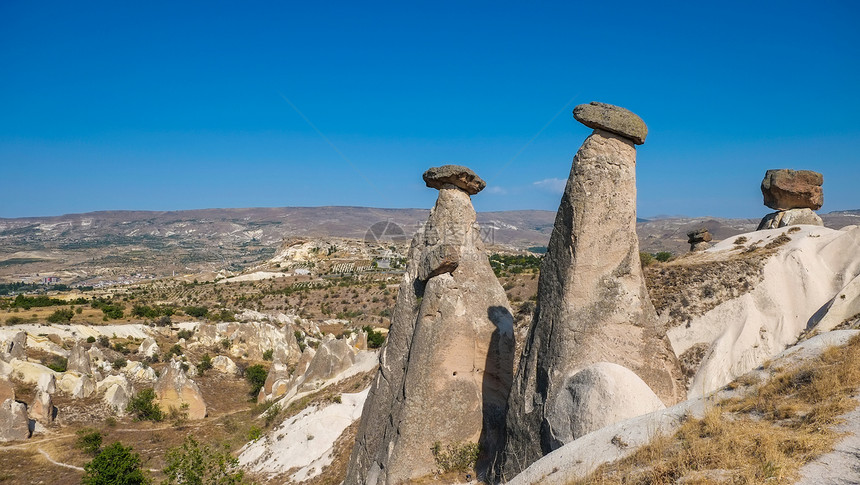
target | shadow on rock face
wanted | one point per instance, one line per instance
(498, 377)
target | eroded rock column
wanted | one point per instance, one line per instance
(446, 370)
(592, 306)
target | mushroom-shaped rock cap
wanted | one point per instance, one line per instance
(786, 189)
(458, 175)
(612, 118)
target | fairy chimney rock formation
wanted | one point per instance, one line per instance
(174, 389)
(79, 360)
(699, 239)
(592, 305)
(794, 194)
(445, 372)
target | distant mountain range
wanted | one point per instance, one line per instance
(113, 242)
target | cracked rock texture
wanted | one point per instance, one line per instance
(785, 189)
(592, 307)
(445, 373)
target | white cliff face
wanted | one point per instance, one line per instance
(798, 287)
(303, 444)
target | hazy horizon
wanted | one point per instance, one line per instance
(200, 209)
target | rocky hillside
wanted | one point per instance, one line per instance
(135, 244)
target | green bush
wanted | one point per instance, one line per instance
(204, 364)
(663, 256)
(458, 457)
(256, 376)
(175, 350)
(145, 311)
(115, 465)
(186, 334)
(119, 363)
(14, 320)
(144, 407)
(646, 259)
(254, 433)
(112, 311)
(194, 463)
(62, 315)
(503, 264)
(91, 340)
(196, 311)
(104, 341)
(57, 364)
(267, 355)
(272, 414)
(374, 339)
(225, 316)
(89, 441)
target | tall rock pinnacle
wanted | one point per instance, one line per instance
(593, 305)
(445, 373)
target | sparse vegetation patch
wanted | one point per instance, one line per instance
(764, 436)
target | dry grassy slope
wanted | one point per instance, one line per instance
(760, 429)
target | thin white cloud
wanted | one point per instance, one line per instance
(552, 185)
(495, 189)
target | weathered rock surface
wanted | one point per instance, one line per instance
(462, 177)
(79, 359)
(141, 372)
(17, 347)
(332, 358)
(111, 381)
(279, 379)
(117, 397)
(47, 383)
(84, 388)
(445, 372)
(798, 279)
(615, 119)
(603, 394)
(358, 340)
(841, 309)
(7, 390)
(225, 365)
(148, 348)
(31, 372)
(67, 382)
(174, 389)
(791, 217)
(785, 189)
(592, 304)
(699, 239)
(14, 423)
(251, 339)
(42, 409)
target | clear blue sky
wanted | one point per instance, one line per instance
(179, 105)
